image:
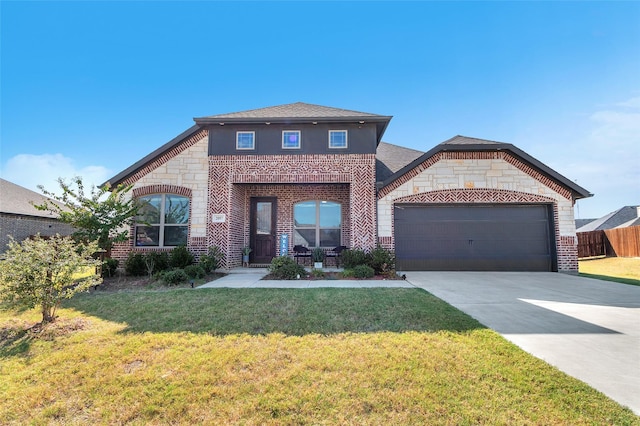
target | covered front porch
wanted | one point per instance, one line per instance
(276, 218)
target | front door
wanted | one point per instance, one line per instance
(263, 229)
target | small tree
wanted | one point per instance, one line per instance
(105, 215)
(43, 272)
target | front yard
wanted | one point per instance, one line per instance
(281, 356)
(619, 269)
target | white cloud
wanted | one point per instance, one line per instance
(607, 162)
(631, 103)
(32, 170)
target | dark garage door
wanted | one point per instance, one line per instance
(504, 237)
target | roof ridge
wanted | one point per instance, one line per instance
(461, 139)
(294, 110)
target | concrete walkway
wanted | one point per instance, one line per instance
(252, 278)
(588, 328)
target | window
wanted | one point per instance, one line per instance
(245, 140)
(337, 138)
(317, 223)
(163, 220)
(290, 139)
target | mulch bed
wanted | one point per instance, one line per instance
(126, 283)
(338, 276)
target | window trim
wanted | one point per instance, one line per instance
(162, 225)
(253, 136)
(317, 227)
(346, 139)
(299, 139)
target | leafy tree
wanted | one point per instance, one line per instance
(42, 272)
(104, 215)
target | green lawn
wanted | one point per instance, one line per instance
(619, 269)
(281, 356)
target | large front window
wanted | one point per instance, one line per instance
(317, 223)
(163, 220)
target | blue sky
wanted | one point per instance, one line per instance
(88, 88)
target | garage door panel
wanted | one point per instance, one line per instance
(473, 237)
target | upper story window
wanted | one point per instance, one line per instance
(291, 139)
(337, 138)
(317, 223)
(245, 140)
(163, 221)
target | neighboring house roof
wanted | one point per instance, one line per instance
(464, 143)
(582, 222)
(623, 217)
(16, 199)
(391, 158)
(298, 112)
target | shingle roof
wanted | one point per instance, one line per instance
(16, 199)
(467, 144)
(391, 158)
(298, 112)
(625, 216)
(295, 110)
(466, 140)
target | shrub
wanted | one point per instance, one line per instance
(175, 276)
(348, 273)
(317, 255)
(180, 257)
(211, 261)
(161, 260)
(353, 257)
(195, 271)
(363, 271)
(109, 267)
(135, 265)
(285, 268)
(381, 260)
(156, 261)
(317, 273)
(41, 273)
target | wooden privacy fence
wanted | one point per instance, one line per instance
(621, 242)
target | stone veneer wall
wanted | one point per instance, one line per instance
(275, 173)
(481, 177)
(184, 170)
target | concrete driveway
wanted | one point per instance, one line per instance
(588, 328)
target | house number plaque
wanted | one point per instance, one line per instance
(218, 218)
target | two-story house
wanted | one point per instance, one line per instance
(302, 174)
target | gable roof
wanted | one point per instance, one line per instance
(16, 199)
(138, 165)
(298, 112)
(391, 158)
(623, 217)
(467, 144)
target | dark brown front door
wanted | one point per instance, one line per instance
(263, 229)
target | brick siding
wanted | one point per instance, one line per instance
(234, 179)
(21, 227)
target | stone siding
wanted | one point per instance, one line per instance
(183, 171)
(481, 177)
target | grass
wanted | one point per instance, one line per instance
(618, 269)
(279, 356)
